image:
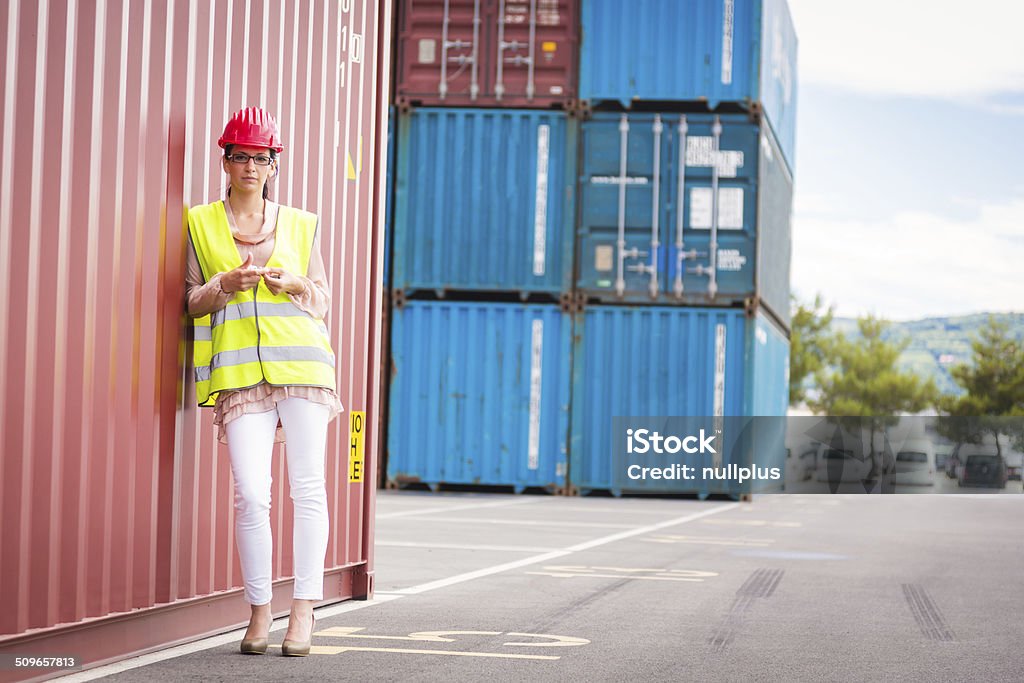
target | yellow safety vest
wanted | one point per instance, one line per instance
(258, 336)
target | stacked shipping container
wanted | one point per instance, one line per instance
(654, 208)
(483, 212)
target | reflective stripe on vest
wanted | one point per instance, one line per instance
(257, 337)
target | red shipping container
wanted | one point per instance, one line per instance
(479, 53)
(116, 515)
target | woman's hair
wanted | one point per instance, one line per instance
(273, 155)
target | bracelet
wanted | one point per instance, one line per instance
(220, 283)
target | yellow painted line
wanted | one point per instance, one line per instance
(421, 636)
(712, 540)
(409, 651)
(560, 641)
(751, 522)
(656, 571)
(321, 649)
(558, 575)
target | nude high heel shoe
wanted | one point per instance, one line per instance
(254, 646)
(299, 648)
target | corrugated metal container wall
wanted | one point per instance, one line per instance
(660, 361)
(667, 250)
(484, 200)
(710, 50)
(116, 500)
(509, 53)
(767, 388)
(479, 394)
(774, 228)
(389, 202)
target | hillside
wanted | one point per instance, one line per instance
(937, 344)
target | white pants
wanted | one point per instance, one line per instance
(250, 444)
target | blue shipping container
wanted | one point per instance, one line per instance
(479, 394)
(631, 184)
(714, 50)
(484, 200)
(666, 361)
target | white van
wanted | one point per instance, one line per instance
(915, 463)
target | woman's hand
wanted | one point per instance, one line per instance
(279, 280)
(242, 278)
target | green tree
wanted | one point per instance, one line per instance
(863, 381)
(810, 345)
(993, 384)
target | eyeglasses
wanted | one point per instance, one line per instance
(242, 158)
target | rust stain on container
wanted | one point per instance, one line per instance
(115, 499)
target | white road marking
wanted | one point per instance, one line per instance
(497, 569)
(464, 546)
(528, 522)
(453, 508)
(382, 597)
(216, 641)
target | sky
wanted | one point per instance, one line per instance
(909, 174)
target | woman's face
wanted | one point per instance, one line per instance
(248, 176)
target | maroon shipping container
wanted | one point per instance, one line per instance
(116, 514)
(478, 53)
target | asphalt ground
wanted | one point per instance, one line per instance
(786, 588)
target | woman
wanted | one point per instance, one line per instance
(257, 288)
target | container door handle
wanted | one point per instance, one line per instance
(442, 87)
(680, 206)
(710, 269)
(533, 39)
(716, 132)
(461, 60)
(474, 86)
(652, 269)
(620, 281)
(499, 85)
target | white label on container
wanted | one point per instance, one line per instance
(616, 180)
(427, 51)
(540, 205)
(731, 259)
(536, 363)
(719, 409)
(730, 208)
(762, 336)
(603, 254)
(727, 21)
(700, 151)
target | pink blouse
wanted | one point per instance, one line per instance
(207, 297)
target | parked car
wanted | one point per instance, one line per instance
(915, 463)
(982, 466)
(1014, 464)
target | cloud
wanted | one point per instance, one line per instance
(913, 264)
(946, 49)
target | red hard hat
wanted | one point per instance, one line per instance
(254, 127)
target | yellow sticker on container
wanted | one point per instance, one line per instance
(357, 448)
(548, 46)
